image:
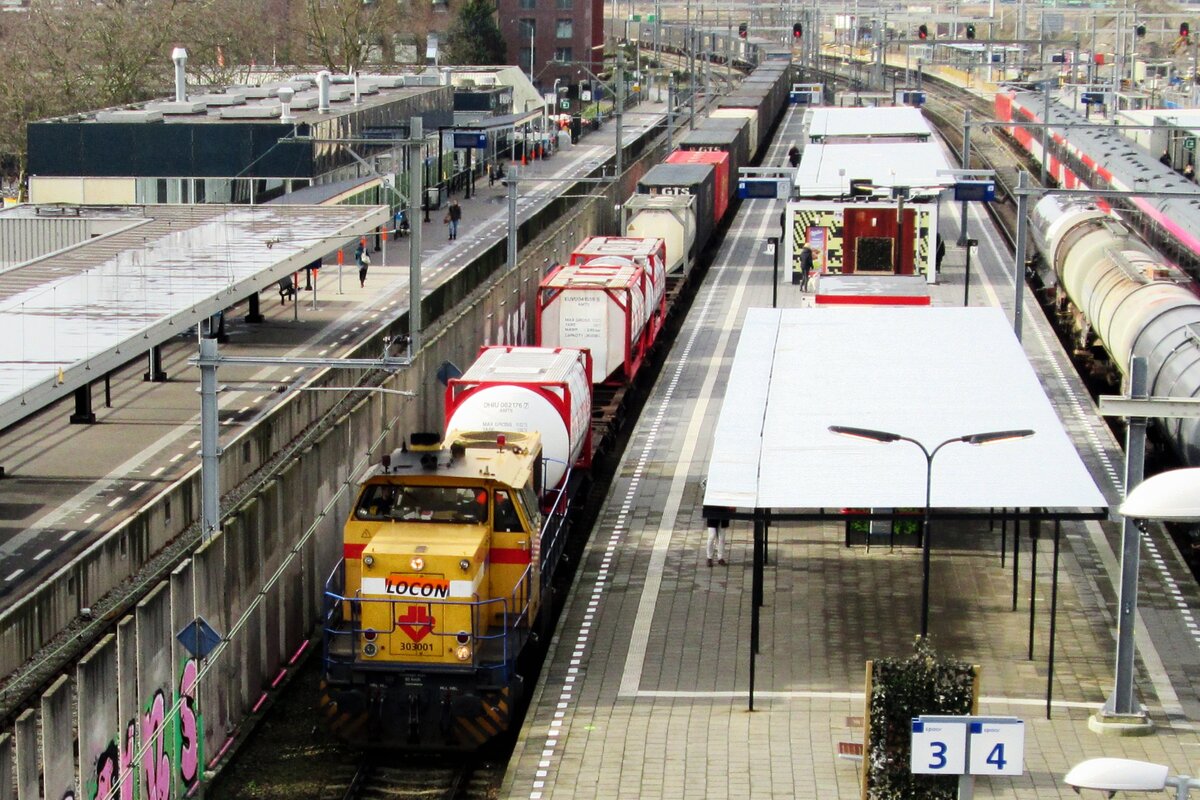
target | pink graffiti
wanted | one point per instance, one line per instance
(156, 764)
(127, 771)
(189, 745)
(106, 770)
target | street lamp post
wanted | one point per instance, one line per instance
(886, 438)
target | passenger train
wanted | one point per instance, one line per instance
(453, 542)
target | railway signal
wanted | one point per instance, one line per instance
(797, 30)
(1140, 30)
(742, 27)
(1184, 30)
(923, 32)
(970, 31)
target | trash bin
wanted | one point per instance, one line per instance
(433, 198)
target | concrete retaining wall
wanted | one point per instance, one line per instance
(149, 712)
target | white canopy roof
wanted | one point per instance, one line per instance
(827, 169)
(67, 318)
(831, 122)
(931, 374)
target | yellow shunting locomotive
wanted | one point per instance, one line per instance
(448, 555)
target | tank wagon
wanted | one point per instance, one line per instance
(1124, 299)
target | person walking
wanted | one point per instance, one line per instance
(1189, 172)
(717, 533)
(806, 265)
(364, 262)
(1165, 158)
(794, 156)
(453, 216)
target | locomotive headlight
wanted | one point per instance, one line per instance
(370, 649)
(369, 635)
(368, 561)
(464, 565)
(463, 653)
(417, 564)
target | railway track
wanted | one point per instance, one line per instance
(376, 780)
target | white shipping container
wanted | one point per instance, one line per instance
(523, 389)
(600, 308)
(737, 113)
(671, 218)
(649, 254)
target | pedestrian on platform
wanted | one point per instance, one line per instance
(453, 216)
(1165, 158)
(939, 253)
(364, 262)
(794, 156)
(806, 265)
(717, 532)
(1189, 172)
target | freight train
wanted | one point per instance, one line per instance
(1120, 294)
(453, 542)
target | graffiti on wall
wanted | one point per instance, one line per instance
(190, 728)
(156, 763)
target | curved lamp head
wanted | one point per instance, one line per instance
(1117, 775)
(1172, 496)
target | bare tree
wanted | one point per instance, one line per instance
(341, 33)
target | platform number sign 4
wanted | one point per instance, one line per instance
(938, 748)
(997, 749)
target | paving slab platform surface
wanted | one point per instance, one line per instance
(645, 690)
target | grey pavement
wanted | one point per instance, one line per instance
(645, 691)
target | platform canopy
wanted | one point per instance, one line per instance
(927, 373)
(68, 318)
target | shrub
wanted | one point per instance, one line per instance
(901, 689)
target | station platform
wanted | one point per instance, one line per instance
(644, 693)
(67, 485)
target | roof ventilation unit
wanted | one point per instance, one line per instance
(323, 91)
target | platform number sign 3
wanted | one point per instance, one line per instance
(938, 748)
(997, 749)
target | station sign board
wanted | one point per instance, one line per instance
(469, 140)
(968, 746)
(975, 191)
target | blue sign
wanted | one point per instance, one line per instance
(763, 189)
(470, 140)
(199, 638)
(913, 98)
(975, 191)
(1092, 98)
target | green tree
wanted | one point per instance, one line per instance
(474, 37)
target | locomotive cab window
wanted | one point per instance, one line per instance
(505, 519)
(457, 504)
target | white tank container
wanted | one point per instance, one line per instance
(671, 218)
(523, 389)
(649, 254)
(596, 307)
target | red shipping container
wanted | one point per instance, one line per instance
(720, 161)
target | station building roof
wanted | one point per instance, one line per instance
(927, 373)
(826, 170)
(828, 124)
(70, 316)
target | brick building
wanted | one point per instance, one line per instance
(563, 33)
